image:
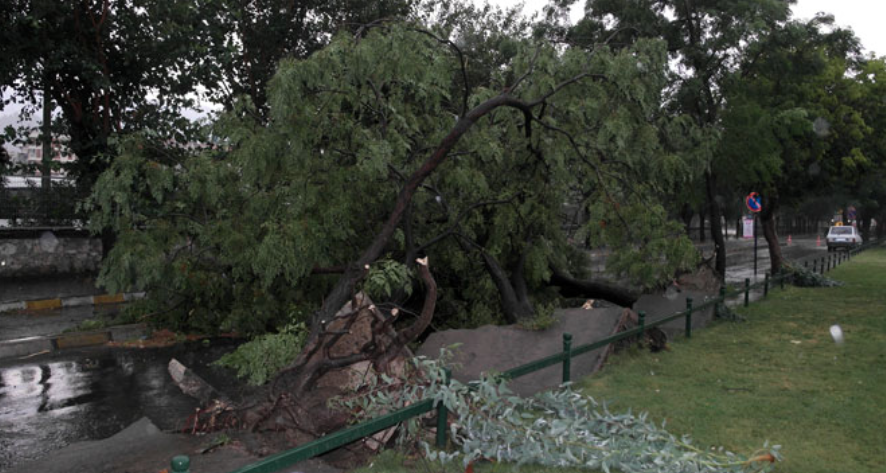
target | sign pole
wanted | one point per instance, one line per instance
(752, 201)
(755, 245)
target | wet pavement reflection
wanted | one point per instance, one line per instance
(53, 401)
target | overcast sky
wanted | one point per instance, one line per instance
(865, 17)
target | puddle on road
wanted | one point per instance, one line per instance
(91, 394)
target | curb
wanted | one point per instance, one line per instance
(73, 301)
(26, 347)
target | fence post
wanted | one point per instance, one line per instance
(180, 464)
(567, 361)
(642, 316)
(815, 266)
(766, 285)
(747, 290)
(721, 307)
(688, 317)
(442, 414)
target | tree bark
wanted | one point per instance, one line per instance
(571, 287)
(686, 214)
(716, 227)
(701, 235)
(770, 232)
(865, 226)
(515, 302)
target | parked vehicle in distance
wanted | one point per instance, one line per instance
(843, 237)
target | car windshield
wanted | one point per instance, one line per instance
(841, 230)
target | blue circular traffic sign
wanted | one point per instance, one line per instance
(753, 202)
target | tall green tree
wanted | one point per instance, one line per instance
(870, 186)
(117, 66)
(791, 130)
(707, 39)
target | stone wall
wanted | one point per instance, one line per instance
(48, 253)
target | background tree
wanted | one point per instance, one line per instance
(778, 138)
(706, 41)
(870, 187)
(118, 66)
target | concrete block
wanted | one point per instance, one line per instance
(11, 306)
(83, 339)
(24, 347)
(77, 301)
(44, 304)
(131, 296)
(108, 299)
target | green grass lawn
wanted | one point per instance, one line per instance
(777, 376)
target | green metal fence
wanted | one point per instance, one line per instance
(273, 463)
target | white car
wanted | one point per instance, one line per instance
(843, 237)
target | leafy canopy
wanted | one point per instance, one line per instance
(232, 235)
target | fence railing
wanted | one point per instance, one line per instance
(276, 462)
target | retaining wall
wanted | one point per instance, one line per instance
(48, 253)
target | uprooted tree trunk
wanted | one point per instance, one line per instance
(357, 342)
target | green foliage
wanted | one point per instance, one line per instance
(646, 246)
(259, 359)
(543, 318)
(554, 428)
(385, 277)
(804, 277)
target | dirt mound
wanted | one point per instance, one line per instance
(492, 348)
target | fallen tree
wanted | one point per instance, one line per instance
(379, 150)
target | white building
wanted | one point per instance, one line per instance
(61, 154)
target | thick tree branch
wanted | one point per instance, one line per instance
(571, 287)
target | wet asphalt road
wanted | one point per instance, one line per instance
(740, 257)
(50, 401)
